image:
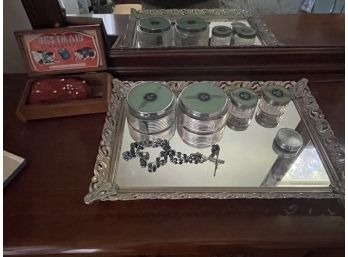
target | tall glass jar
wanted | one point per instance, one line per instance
(245, 36)
(154, 32)
(272, 105)
(243, 105)
(191, 31)
(221, 36)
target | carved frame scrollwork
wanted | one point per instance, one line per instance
(103, 186)
(264, 33)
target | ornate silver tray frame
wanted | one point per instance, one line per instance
(332, 154)
(264, 34)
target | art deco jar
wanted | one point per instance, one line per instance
(221, 36)
(242, 108)
(151, 112)
(154, 32)
(272, 105)
(244, 36)
(191, 31)
(202, 114)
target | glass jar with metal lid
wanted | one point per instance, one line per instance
(221, 36)
(243, 105)
(154, 32)
(236, 25)
(244, 36)
(272, 105)
(191, 31)
(151, 108)
(202, 111)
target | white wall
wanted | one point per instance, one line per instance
(15, 18)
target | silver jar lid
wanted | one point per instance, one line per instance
(245, 32)
(276, 95)
(150, 100)
(203, 101)
(191, 24)
(222, 31)
(243, 98)
(154, 24)
(288, 140)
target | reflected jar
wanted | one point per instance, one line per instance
(221, 36)
(191, 31)
(154, 32)
(150, 110)
(272, 106)
(245, 36)
(242, 108)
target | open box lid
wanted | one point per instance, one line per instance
(65, 50)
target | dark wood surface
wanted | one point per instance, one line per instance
(307, 29)
(44, 213)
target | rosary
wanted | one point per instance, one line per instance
(168, 155)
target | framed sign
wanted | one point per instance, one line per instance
(62, 50)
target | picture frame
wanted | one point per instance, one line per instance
(62, 50)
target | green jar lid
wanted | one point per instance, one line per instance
(154, 24)
(150, 100)
(237, 25)
(191, 24)
(276, 95)
(204, 100)
(245, 32)
(222, 31)
(244, 98)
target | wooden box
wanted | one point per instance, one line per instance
(42, 53)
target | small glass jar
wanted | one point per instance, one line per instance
(221, 36)
(272, 106)
(244, 102)
(191, 31)
(236, 25)
(245, 36)
(154, 32)
(287, 143)
(202, 114)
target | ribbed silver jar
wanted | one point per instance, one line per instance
(154, 32)
(191, 31)
(202, 112)
(150, 109)
(165, 134)
(200, 140)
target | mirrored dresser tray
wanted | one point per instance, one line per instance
(158, 28)
(216, 140)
